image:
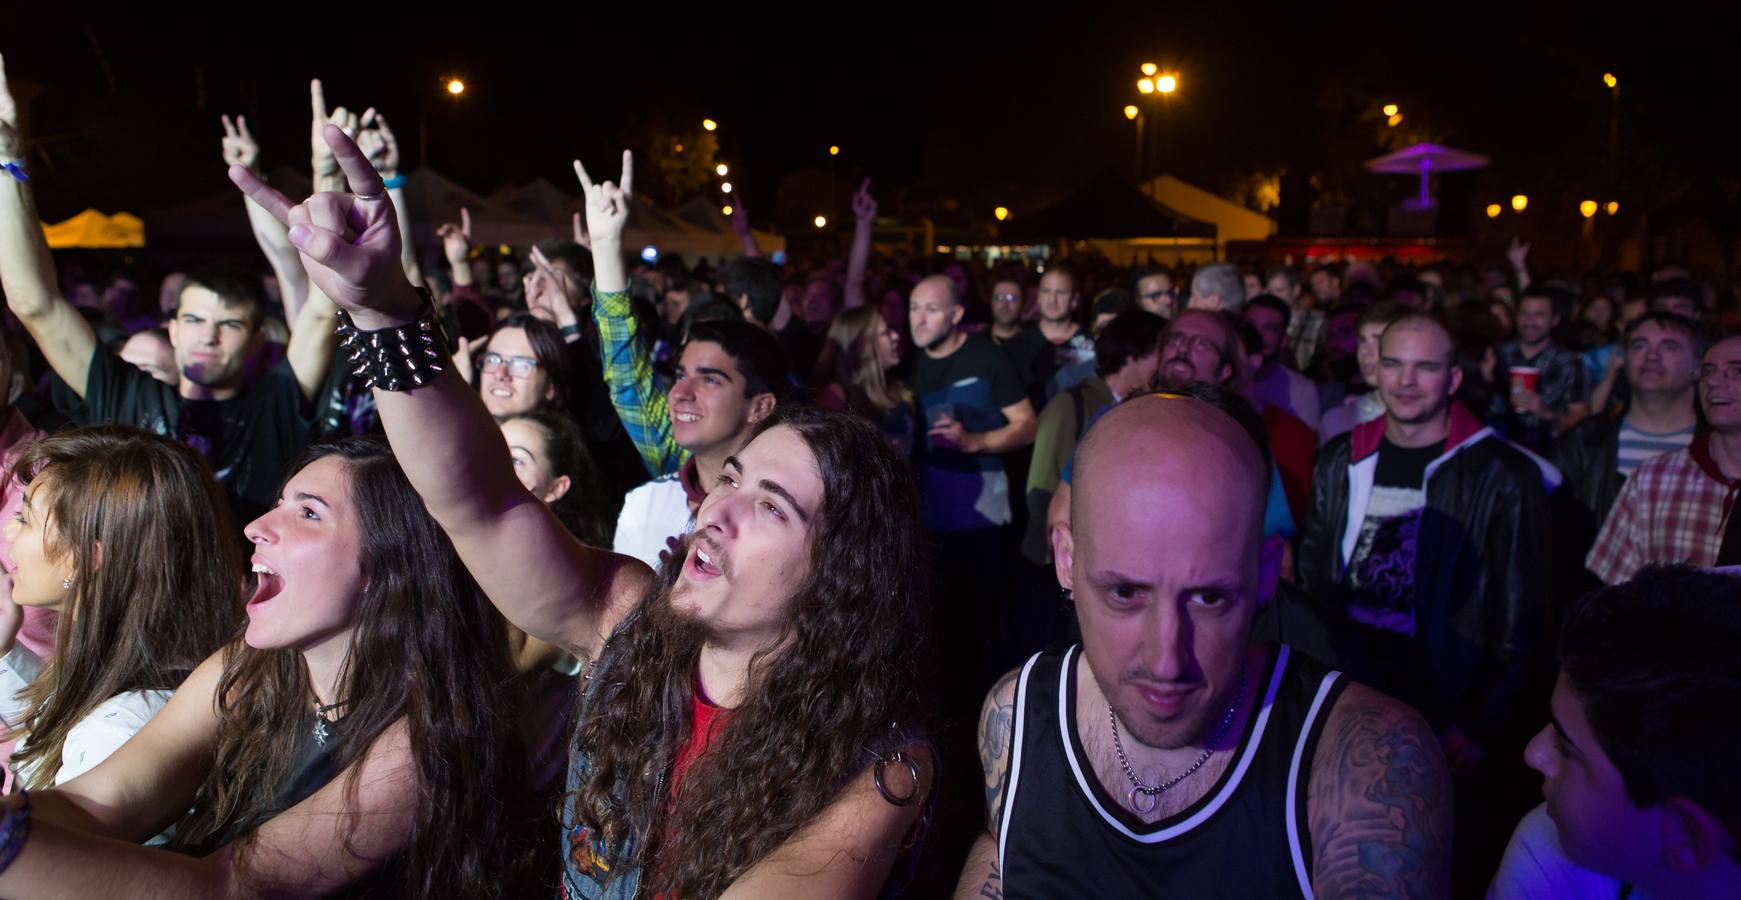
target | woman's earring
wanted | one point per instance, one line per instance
(67, 583)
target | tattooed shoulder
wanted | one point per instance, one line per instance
(1379, 802)
(997, 725)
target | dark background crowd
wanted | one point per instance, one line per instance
(1464, 435)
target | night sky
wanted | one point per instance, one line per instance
(982, 103)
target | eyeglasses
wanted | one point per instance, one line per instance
(1006, 298)
(518, 366)
(1163, 292)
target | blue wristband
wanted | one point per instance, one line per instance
(397, 181)
(15, 168)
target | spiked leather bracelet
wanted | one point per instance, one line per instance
(398, 358)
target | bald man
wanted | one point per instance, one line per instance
(1169, 755)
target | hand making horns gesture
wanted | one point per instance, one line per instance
(349, 241)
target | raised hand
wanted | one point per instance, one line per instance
(551, 290)
(456, 240)
(325, 166)
(607, 204)
(348, 240)
(864, 206)
(1517, 253)
(11, 145)
(377, 142)
(240, 148)
(740, 216)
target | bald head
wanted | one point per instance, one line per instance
(936, 288)
(933, 312)
(1179, 448)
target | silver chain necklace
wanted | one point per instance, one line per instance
(1153, 792)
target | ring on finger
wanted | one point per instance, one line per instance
(380, 196)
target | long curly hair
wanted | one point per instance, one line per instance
(428, 648)
(168, 592)
(848, 678)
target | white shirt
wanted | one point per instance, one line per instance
(651, 513)
(100, 733)
(1535, 868)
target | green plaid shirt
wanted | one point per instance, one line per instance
(629, 376)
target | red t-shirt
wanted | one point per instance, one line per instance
(707, 720)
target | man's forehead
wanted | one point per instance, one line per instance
(1727, 350)
(708, 355)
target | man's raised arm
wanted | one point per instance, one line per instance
(27, 269)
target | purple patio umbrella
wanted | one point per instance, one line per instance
(1424, 160)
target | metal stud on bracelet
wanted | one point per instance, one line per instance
(398, 357)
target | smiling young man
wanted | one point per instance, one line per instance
(1168, 754)
(730, 376)
(1430, 534)
(1643, 799)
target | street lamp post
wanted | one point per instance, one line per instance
(453, 88)
(1153, 83)
(1135, 114)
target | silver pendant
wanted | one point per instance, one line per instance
(320, 731)
(1138, 796)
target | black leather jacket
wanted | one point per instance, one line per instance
(1588, 457)
(1482, 582)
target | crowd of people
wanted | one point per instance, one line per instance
(854, 576)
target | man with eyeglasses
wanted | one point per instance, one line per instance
(1021, 342)
(1679, 507)
(1155, 292)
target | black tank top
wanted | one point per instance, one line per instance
(1060, 834)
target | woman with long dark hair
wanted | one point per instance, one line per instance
(750, 721)
(360, 736)
(108, 536)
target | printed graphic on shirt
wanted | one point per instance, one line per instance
(1382, 574)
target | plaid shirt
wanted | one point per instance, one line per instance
(629, 375)
(1672, 509)
(1305, 335)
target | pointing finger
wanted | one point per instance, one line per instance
(465, 222)
(628, 172)
(262, 193)
(585, 180)
(317, 95)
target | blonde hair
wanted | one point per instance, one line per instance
(852, 363)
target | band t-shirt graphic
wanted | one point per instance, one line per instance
(1381, 575)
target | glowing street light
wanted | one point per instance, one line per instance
(1389, 110)
(1146, 85)
(1518, 202)
(1130, 112)
(1609, 80)
(720, 169)
(1002, 213)
(1493, 210)
(1394, 120)
(1150, 69)
(1587, 209)
(1167, 84)
(821, 221)
(456, 87)
(709, 124)
(725, 210)
(725, 187)
(1612, 207)
(833, 150)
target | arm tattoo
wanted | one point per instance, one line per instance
(996, 730)
(1380, 805)
(992, 889)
